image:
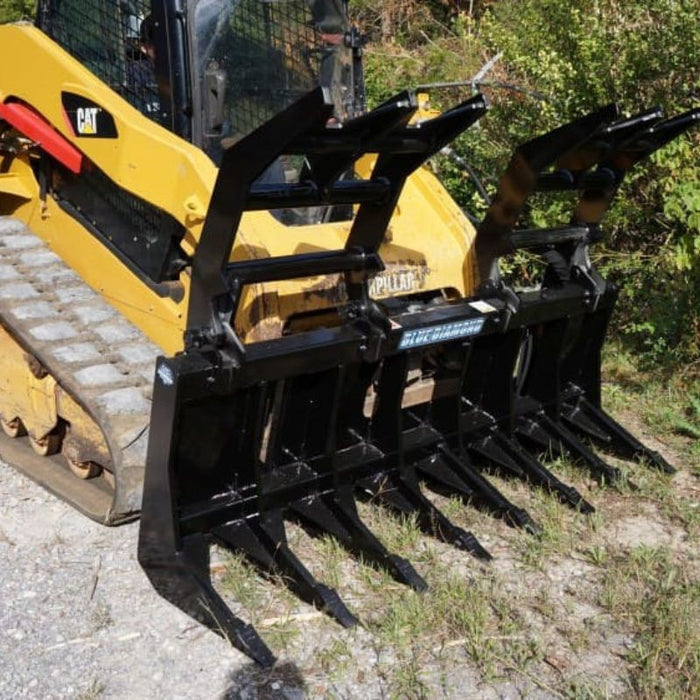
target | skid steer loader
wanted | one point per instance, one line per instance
(231, 296)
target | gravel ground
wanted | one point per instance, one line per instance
(78, 617)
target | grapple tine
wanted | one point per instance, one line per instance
(536, 473)
(605, 139)
(241, 165)
(560, 439)
(489, 449)
(264, 540)
(462, 423)
(596, 200)
(446, 465)
(337, 515)
(314, 403)
(396, 165)
(622, 441)
(197, 597)
(389, 433)
(361, 134)
(574, 416)
(403, 494)
(177, 566)
(657, 136)
(520, 180)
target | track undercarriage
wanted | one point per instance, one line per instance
(84, 389)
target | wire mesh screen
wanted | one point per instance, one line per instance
(268, 52)
(133, 226)
(109, 38)
(112, 40)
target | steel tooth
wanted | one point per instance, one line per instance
(333, 604)
(264, 541)
(443, 478)
(598, 468)
(248, 641)
(493, 452)
(337, 515)
(573, 415)
(184, 580)
(538, 474)
(519, 517)
(528, 428)
(623, 441)
(402, 493)
(446, 468)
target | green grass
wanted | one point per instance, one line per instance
(652, 593)
(519, 619)
(94, 690)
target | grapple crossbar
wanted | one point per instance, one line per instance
(247, 436)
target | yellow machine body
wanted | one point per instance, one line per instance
(177, 177)
(426, 251)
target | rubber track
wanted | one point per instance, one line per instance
(102, 360)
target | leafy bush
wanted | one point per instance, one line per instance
(567, 59)
(638, 54)
(13, 10)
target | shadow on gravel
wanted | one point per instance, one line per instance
(282, 682)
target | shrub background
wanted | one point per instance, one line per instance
(566, 59)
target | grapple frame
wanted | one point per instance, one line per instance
(246, 436)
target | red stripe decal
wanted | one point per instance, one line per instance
(35, 127)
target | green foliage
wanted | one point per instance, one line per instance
(565, 59)
(576, 57)
(14, 10)
(638, 55)
(660, 598)
(425, 48)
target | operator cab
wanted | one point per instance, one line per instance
(211, 71)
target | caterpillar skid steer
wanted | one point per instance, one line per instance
(231, 296)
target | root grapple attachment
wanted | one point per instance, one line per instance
(245, 437)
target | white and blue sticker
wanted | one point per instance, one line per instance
(166, 375)
(439, 334)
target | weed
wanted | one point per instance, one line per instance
(404, 619)
(242, 582)
(282, 634)
(585, 690)
(101, 616)
(407, 681)
(659, 600)
(332, 554)
(335, 658)
(94, 690)
(596, 555)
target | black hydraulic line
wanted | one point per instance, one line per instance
(308, 194)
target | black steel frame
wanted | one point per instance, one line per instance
(244, 437)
